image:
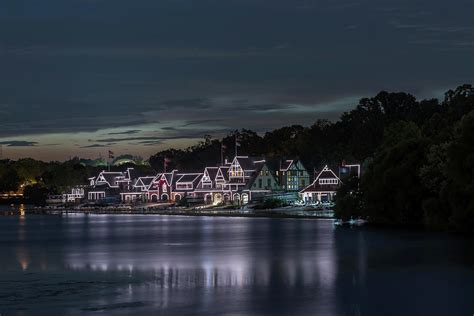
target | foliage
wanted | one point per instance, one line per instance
(423, 171)
(36, 194)
(391, 186)
(460, 174)
(9, 179)
(348, 200)
(271, 204)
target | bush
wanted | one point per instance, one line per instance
(271, 204)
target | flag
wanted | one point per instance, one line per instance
(111, 154)
(223, 147)
(167, 161)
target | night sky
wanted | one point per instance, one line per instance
(80, 77)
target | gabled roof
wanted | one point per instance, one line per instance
(169, 176)
(144, 181)
(255, 175)
(155, 180)
(224, 170)
(326, 173)
(212, 172)
(111, 177)
(245, 162)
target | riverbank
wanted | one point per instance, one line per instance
(275, 213)
(216, 212)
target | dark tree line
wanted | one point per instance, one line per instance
(422, 173)
(37, 179)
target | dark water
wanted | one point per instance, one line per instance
(165, 265)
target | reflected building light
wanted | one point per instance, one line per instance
(23, 258)
(43, 263)
(327, 270)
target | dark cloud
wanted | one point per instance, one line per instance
(128, 132)
(125, 139)
(150, 143)
(88, 65)
(19, 143)
(201, 122)
(95, 146)
(268, 107)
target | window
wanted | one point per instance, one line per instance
(269, 183)
(303, 183)
(328, 181)
(236, 171)
(260, 183)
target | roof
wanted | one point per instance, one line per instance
(316, 187)
(255, 174)
(212, 172)
(146, 181)
(225, 172)
(326, 173)
(284, 165)
(169, 176)
(111, 177)
(188, 177)
(245, 162)
(132, 173)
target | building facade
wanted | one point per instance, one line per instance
(323, 188)
(293, 175)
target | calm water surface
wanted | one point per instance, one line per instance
(171, 265)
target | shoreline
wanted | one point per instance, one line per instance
(266, 213)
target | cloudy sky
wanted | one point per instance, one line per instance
(80, 77)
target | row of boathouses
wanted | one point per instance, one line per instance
(240, 181)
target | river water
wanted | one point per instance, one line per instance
(176, 265)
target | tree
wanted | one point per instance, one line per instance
(9, 181)
(460, 174)
(36, 194)
(348, 200)
(392, 192)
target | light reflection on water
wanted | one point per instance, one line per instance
(80, 264)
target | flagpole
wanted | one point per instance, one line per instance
(235, 145)
(222, 153)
